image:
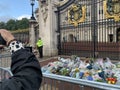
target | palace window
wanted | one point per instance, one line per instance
(118, 35)
(101, 11)
(71, 38)
(110, 37)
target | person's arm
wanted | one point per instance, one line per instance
(25, 67)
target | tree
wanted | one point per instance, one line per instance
(15, 24)
(11, 25)
(23, 24)
(2, 25)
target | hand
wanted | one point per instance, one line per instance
(7, 36)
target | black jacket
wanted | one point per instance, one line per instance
(26, 71)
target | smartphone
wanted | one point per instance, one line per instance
(2, 41)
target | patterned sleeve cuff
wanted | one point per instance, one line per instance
(15, 45)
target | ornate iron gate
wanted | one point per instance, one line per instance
(89, 28)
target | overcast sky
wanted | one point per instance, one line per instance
(15, 9)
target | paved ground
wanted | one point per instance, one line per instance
(44, 58)
(6, 60)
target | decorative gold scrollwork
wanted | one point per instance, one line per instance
(76, 14)
(112, 9)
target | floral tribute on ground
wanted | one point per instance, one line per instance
(100, 69)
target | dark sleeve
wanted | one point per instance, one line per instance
(26, 71)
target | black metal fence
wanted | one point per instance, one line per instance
(89, 28)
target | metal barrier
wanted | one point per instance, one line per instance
(5, 73)
(57, 82)
(5, 62)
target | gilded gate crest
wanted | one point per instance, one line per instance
(112, 9)
(76, 14)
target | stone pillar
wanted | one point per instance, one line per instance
(32, 32)
(47, 28)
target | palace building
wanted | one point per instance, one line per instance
(88, 28)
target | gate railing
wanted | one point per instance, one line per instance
(103, 49)
(96, 27)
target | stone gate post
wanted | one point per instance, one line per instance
(32, 32)
(47, 27)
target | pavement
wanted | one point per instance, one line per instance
(43, 59)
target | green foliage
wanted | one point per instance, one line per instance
(2, 25)
(11, 25)
(23, 24)
(15, 24)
